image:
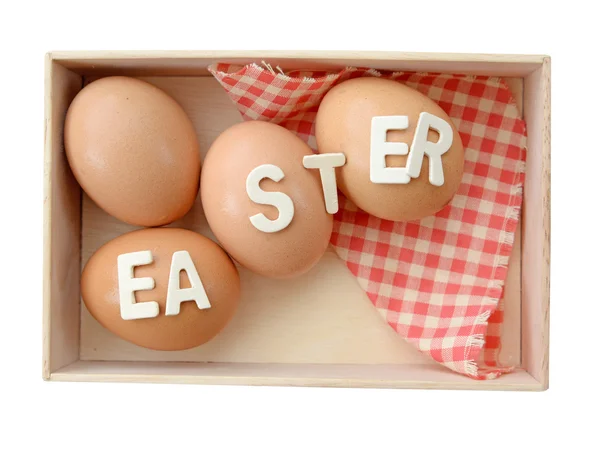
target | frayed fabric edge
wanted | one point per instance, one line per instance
(278, 71)
(472, 367)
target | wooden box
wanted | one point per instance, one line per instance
(304, 332)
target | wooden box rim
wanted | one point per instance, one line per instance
(535, 69)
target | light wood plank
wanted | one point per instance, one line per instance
(510, 351)
(318, 375)
(536, 226)
(187, 63)
(516, 88)
(62, 225)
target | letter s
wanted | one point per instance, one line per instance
(279, 200)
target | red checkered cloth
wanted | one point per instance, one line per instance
(439, 281)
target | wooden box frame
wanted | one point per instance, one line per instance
(64, 77)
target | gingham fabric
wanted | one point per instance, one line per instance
(439, 281)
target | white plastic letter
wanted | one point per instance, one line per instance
(326, 163)
(380, 148)
(131, 310)
(277, 199)
(175, 295)
(434, 150)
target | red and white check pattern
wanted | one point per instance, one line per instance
(438, 282)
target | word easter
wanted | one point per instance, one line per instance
(181, 260)
(379, 172)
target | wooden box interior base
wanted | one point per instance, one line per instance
(319, 329)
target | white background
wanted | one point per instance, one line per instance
(68, 415)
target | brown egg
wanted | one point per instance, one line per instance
(343, 124)
(101, 288)
(133, 150)
(239, 150)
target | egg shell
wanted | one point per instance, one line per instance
(192, 326)
(343, 124)
(228, 208)
(133, 150)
